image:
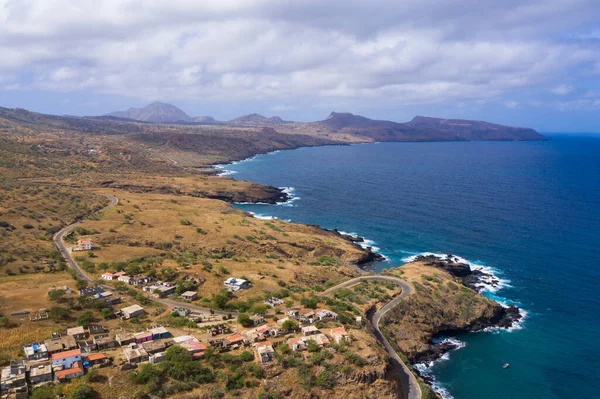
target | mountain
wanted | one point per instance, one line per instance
(204, 119)
(422, 128)
(256, 119)
(155, 112)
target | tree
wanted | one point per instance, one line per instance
(312, 346)
(290, 325)
(177, 354)
(85, 319)
(56, 295)
(83, 392)
(247, 356)
(106, 313)
(244, 320)
(259, 308)
(147, 374)
(58, 313)
(309, 302)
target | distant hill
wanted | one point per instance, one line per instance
(423, 128)
(156, 112)
(204, 119)
(256, 119)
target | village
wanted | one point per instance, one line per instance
(73, 352)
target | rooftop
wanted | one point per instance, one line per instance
(132, 309)
(63, 355)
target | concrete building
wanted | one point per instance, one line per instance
(77, 332)
(272, 301)
(37, 351)
(309, 330)
(125, 338)
(142, 337)
(157, 357)
(13, 379)
(40, 373)
(69, 373)
(339, 335)
(135, 354)
(66, 359)
(152, 347)
(264, 351)
(104, 342)
(95, 359)
(60, 344)
(132, 311)
(189, 296)
(236, 284)
(159, 332)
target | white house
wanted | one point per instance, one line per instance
(66, 359)
(84, 244)
(236, 284)
(339, 334)
(132, 311)
(265, 351)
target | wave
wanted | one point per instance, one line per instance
(490, 285)
(366, 243)
(267, 217)
(291, 196)
(426, 369)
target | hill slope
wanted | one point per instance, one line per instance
(256, 119)
(155, 112)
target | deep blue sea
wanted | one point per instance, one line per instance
(530, 211)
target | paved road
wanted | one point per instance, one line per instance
(407, 378)
(58, 241)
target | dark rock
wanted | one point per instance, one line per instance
(434, 352)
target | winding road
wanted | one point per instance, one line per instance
(406, 377)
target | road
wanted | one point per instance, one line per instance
(60, 244)
(406, 377)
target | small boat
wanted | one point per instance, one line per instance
(505, 365)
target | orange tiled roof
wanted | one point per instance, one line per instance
(62, 355)
(95, 356)
(63, 373)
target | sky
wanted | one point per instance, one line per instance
(533, 63)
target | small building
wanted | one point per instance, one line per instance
(273, 301)
(135, 354)
(60, 344)
(183, 312)
(236, 284)
(108, 276)
(152, 347)
(132, 311)
(189, 296)
(125, 338)
(300, 343)
(143, 336)
(93, 290)
(233, 340)
(104, 342)
(257, 320)
(139, 280)
(111, 300)
(40, 373)
(66, 359)
(83, 244)
(293, 313)
(159, 332)
(125, 279)
(68, 373)
(193, 346)
(339, 335)
(95, 359)
(309, 330)
(322, 314)
(13, 379)
(78, 333)
(296, 344)
(94, 329)
(157, 357)
(37, 351)
(308, 317)
(265, 351)
(87, 346)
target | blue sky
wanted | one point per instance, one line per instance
(528, 63)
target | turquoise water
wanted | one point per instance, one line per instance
(528, 211)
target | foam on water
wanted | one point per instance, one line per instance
(366, 243)
(425, 369)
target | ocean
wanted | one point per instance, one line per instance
(527, 211)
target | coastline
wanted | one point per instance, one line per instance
(480, 280)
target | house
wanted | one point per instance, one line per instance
(296, 343)
(339, 335)
(87, 346)
(257, 320)
(139, 280)
(135, 354)
(265, 351)
(236, 284)
(95, 359)
(66, 359)
(233, 340)
(293, 313)
(68, 373)
(192, 345)
(35, 351)
(152, 347)
(111, 300)
(77, 332)
(125, 338)
(300, 343)
(125, 279)
(13, 379)
(308, 317)
(94, 329)
(272, 301)
(104, 342)
(60, 344)
(40, 373)
(94, 290)
(132, 311)
(322, 314)
(309, 330)
(160, 289)
(143, 336)
(181, 311)
(189, 296)
(83, 244)
(158, 332)
(320, 339)
(104, 295)
(108, 276)
(157, 357)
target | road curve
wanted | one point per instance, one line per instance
(58, 241)
(407, 378)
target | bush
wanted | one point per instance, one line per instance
(85, 319)
(247, 356)
(83, 392)
(309, 302)
(244, 320)
(58, 313)
(185, 222)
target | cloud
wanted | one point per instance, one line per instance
(562, 90)
(295, 53)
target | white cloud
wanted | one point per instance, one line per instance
(563, 90)
(309, 52)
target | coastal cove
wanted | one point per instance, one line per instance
(502, 207)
